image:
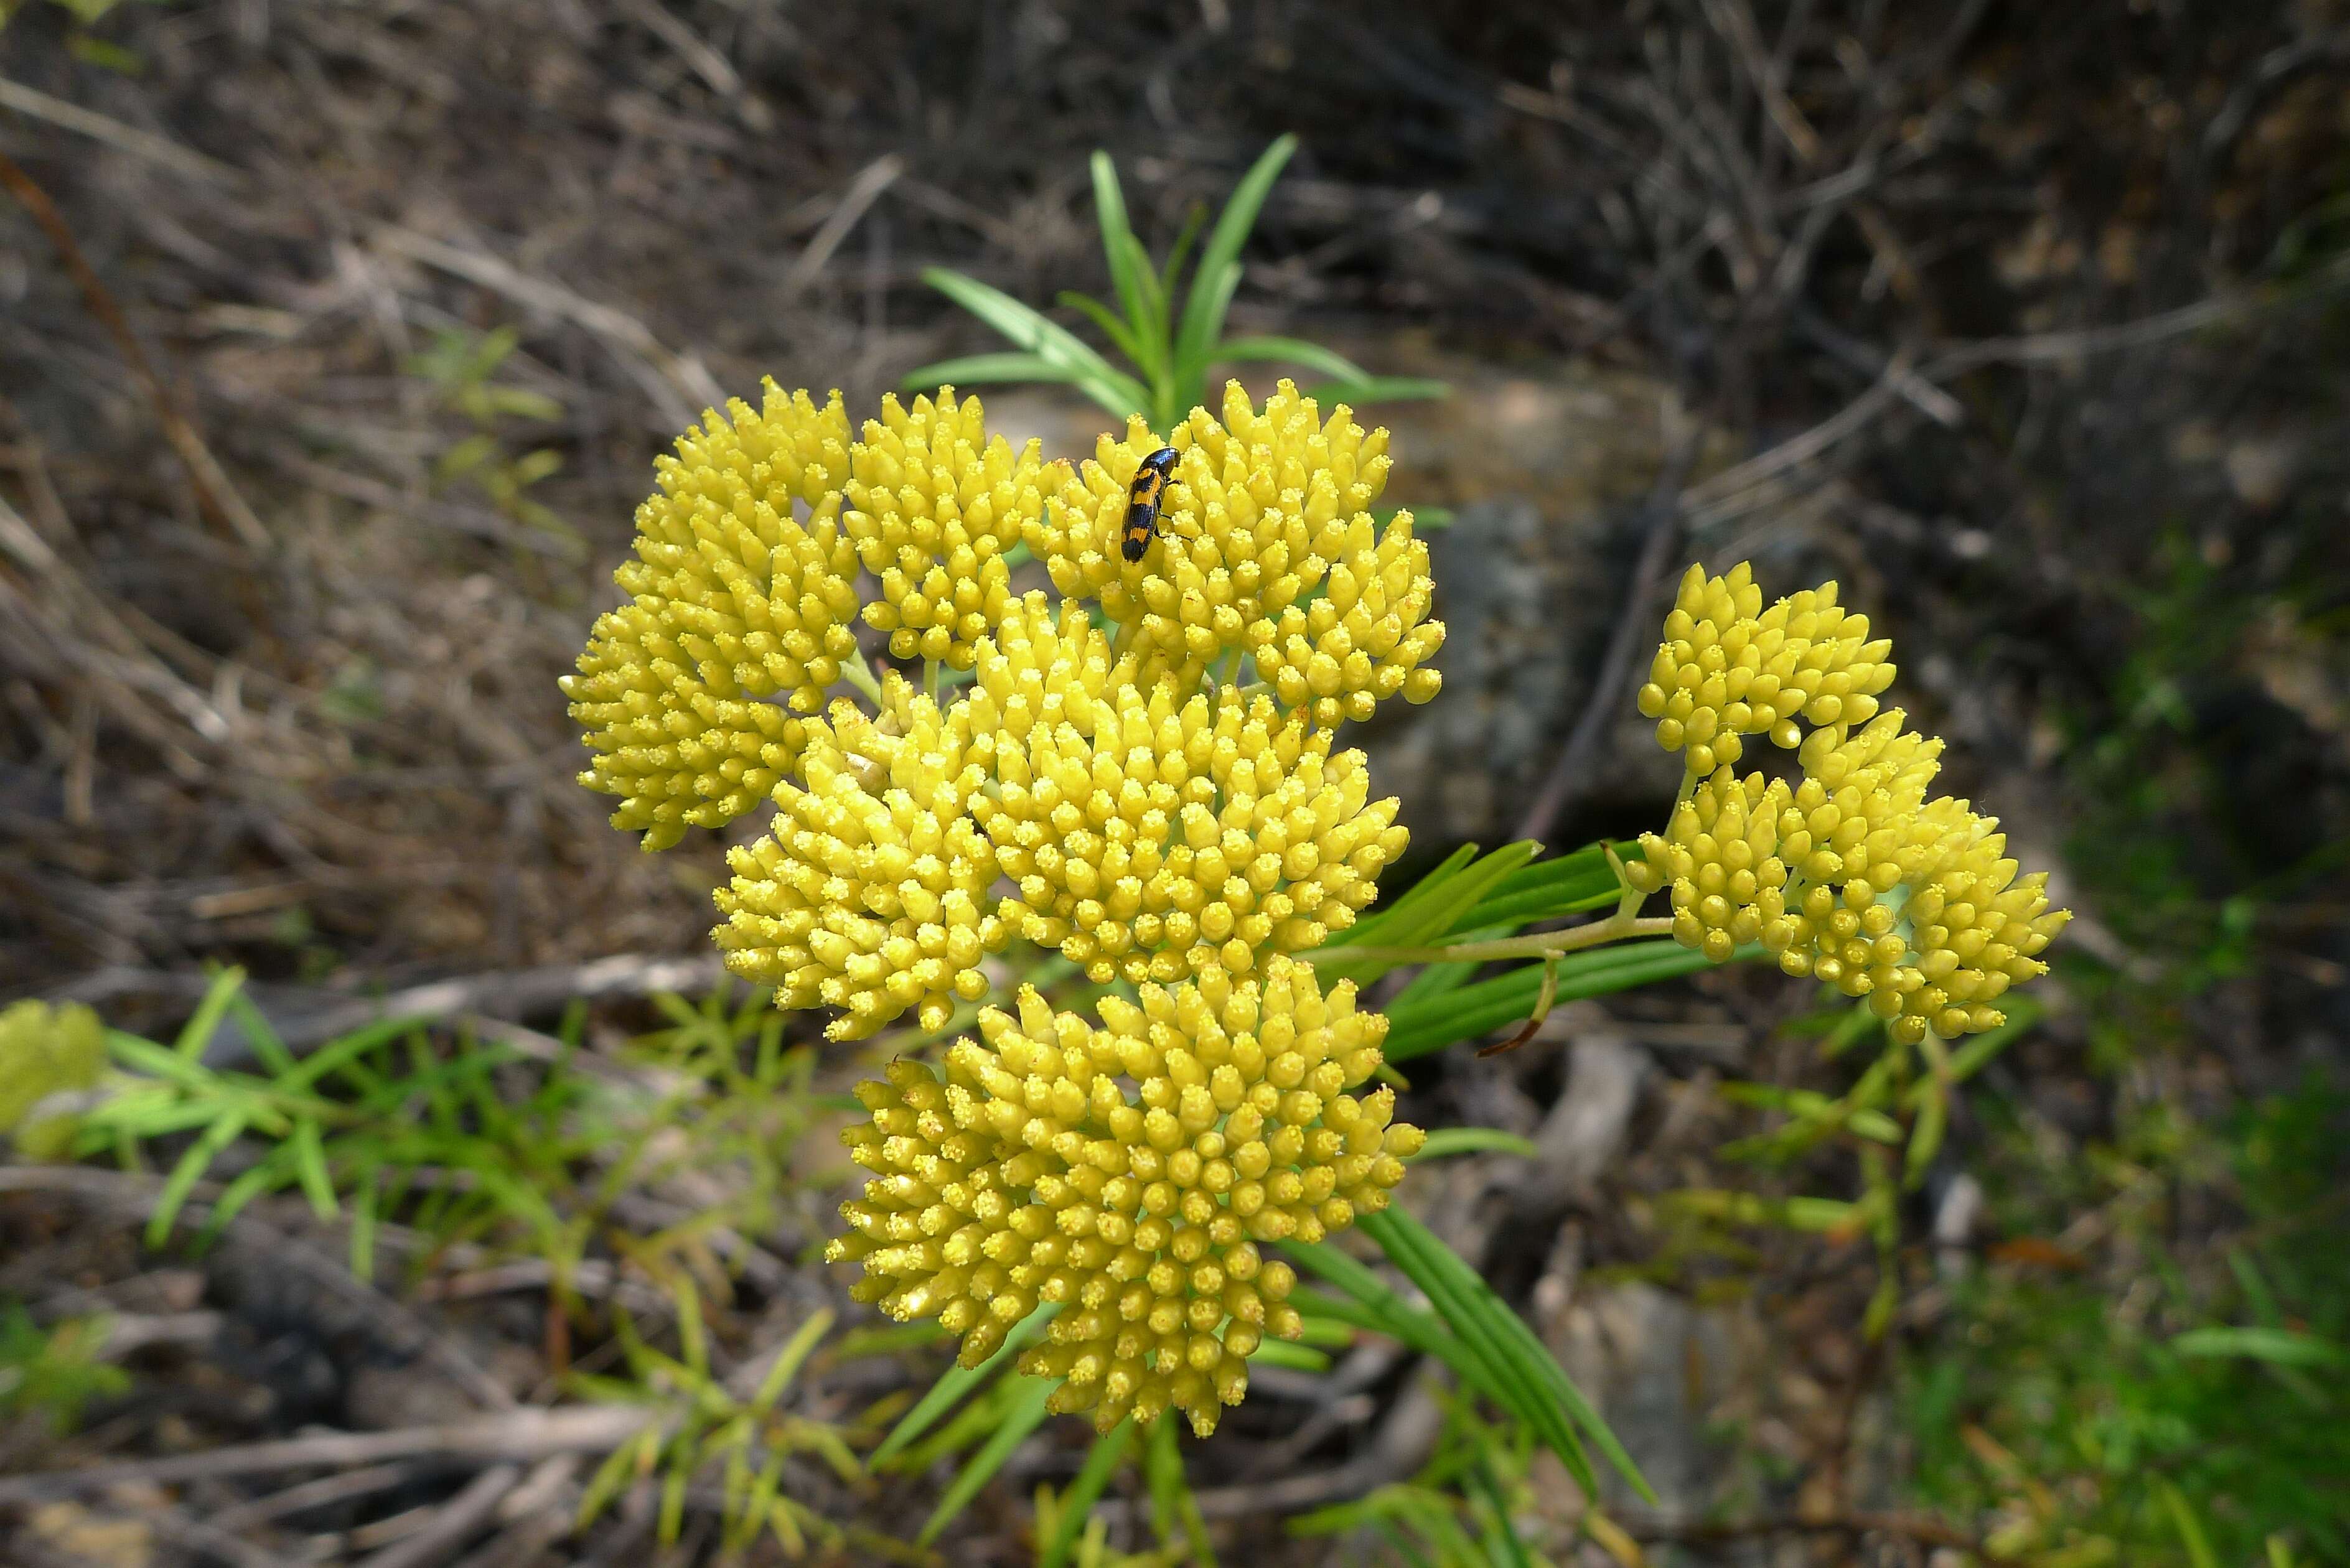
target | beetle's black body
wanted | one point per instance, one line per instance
(1142, 501)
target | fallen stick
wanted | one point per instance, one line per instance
(532, 1433)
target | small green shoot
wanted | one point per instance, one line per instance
(1171, 354)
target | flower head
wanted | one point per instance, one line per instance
(734, 599)
(1032, 1176)
(1367, 638)
(932, 505)
(1150, 838)
(1720, 855)
(1729, 669)
(1849, 873)
(1090, 788)
(870, 892)
(1266, 509)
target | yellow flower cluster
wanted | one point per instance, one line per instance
(1152, 840)
(47, 1054)
(933, 505)
(1850, 874)
(870, 892)
(1265, 546)
(1729, 669)
(734, 599)
(1031, 1176)
(1155, 792)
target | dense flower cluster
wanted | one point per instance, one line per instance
(1157, 840)
(1849, 874)
(735, 598)
(1729, 669)
(1266, 544)
(1157, 795)
(870, 892)
(933, 507)
(1033, 1175)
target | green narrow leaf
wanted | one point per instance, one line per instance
(1117, 248)
(267, 1048)
(1118, 332)
(310, 1168)
(672, 1497)
(190, 1170)
(1529, 1351)
(1291, 351)
(1547, 889)
(613, 1473)
(759, 1508)
(789, 1359)
(1447, 1141)
(264, 1178)
(1435, 904)
(1473, 1009)
(365, 1199)
(1171, 1503)
(2191, 1529)
(1926, 1137)
(1191, 374)
(2279, 1346)
(1295, 1357)
(1195, 218)
(1151, 329)
(1101, 1462)
(985, 369)
(1492, 1361)
(197, 1033)
(957, 1381)
(1372, 928)
(1380, 389)
(1026, 1414)
(1459, 896)
(690, 1342)
(1502, 1547)
(1219, 270)
(1119, 394)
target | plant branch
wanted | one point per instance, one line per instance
(1617, 927)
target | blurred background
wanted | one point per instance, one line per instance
(336, 343)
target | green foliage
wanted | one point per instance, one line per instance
(462, 368)
(701, 1422)
(54, 1374)
(1470, 898)
(2202, 1417)
(464, 1139)
(1170, 353)
(47, 1055)
(1900, 1101)
(1459, 1511)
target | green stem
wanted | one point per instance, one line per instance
(931, 679)
(1537, 944)
(860, 674)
